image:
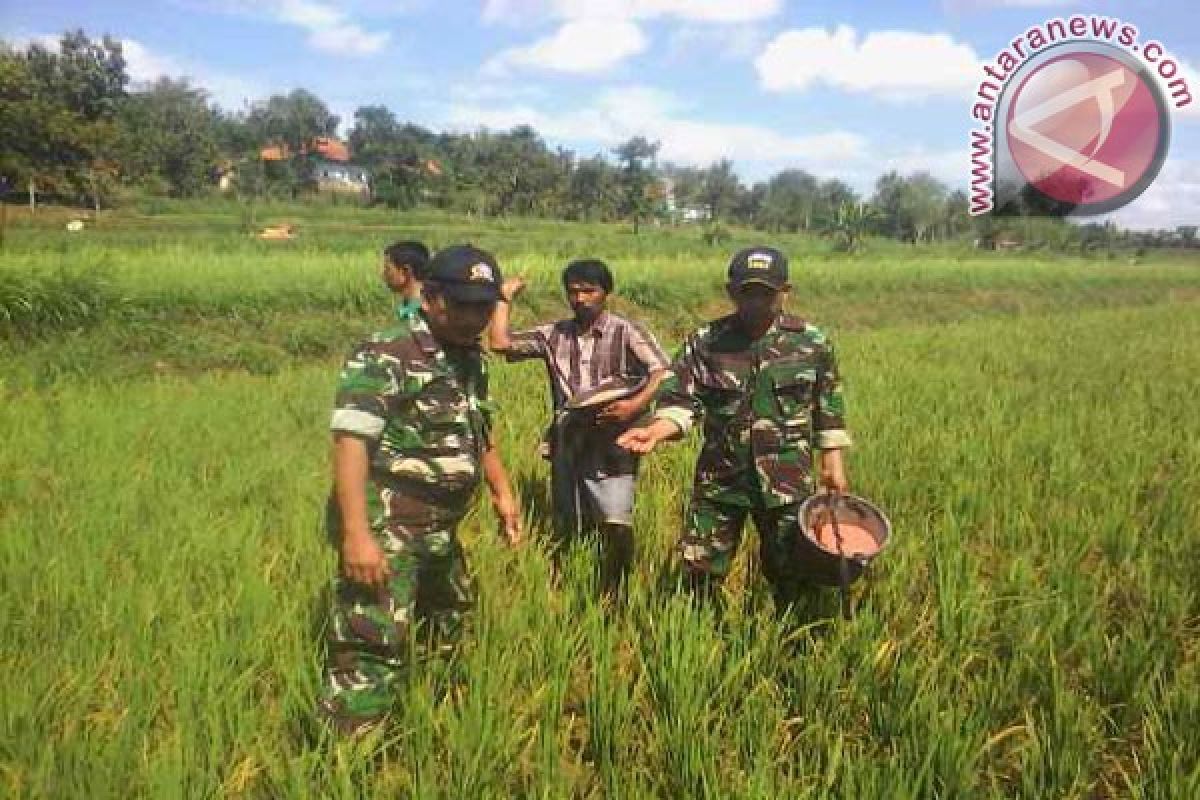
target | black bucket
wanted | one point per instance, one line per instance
(840, 534)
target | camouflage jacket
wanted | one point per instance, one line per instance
(424, 411)
(766, 403)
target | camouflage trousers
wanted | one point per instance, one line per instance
(373, 633)
(713, 532)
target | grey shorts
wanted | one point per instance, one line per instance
(611, 498)
(590, 499)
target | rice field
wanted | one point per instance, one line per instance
(1029, 423)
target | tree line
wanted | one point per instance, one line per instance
(78, 130)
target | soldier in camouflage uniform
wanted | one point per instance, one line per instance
(412, 434)
(766, 384)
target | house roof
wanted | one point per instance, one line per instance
(324, 146)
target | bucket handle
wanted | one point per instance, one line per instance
(835, 500)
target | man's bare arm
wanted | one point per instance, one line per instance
(503, 499)
(363, 560)
(499, 333)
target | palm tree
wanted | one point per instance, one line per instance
(850, 224)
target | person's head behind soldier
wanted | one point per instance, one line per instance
(459, 293)
(758, 284)
(587, 282)
(403, 263)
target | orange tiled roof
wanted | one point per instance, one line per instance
(325, 146)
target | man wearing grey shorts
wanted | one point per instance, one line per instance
(603, 371)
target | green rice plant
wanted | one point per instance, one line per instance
(1031, 632)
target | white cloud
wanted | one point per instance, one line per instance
(348, 40)
(580, 47)
(1173, 199)
(951, 167)
(145, 66)
(596, 35)
(896, 65)
(617, 114)
(329, 26)
(227, 90)
(717, 11)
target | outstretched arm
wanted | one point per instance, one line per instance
(678, 404)
(643, 440)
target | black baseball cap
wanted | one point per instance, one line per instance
(764, 265)
(466, 274)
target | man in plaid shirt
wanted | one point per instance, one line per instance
(592, 480)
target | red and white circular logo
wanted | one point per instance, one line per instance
(1088, 128)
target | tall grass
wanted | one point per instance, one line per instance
(1032, 633)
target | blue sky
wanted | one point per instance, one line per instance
(842, 89)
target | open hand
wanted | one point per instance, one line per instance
(638, 440)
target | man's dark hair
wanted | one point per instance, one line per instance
(411, 254)
(589, 270)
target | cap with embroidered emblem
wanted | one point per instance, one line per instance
(466, 274)
(764, 265)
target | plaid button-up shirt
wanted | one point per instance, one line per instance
(577, 361)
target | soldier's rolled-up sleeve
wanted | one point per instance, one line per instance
(829, 405)
(532, 343)
(676, 398)
(366, 387)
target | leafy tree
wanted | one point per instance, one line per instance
(832, 195)
(169, 136)
(592, 190)
(57, 110)
(748, 207)
(719, 190)
(291, 121)
(909, 207)
(790, 201)
(637, 178)
(850, 224)
(395, 154)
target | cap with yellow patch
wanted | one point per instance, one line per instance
(764, 265)
(466, 274)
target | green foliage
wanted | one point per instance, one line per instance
(167, 141)
(33, 304)
(57, 110)
(717, 234)
(637, 178)
(1024, 636)
(850, 224)
(1029, 634)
